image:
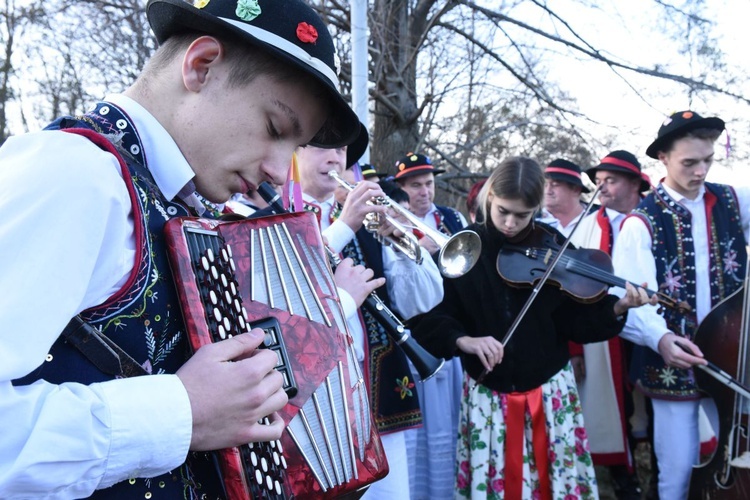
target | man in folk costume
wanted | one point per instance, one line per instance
(601, 367)
(688, 238)
(233, 89)
(563, 186)
(411, 289)
(416, 176)
(432, 448)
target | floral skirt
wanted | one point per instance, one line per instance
(481, 457)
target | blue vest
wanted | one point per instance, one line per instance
(450, 218)
(144, 317)
(670, 225)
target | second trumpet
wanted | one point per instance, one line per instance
(458, 253)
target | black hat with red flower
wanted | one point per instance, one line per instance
(291, 30)
(677, 126)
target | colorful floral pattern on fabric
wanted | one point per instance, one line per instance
(404, 387)
(481, 443)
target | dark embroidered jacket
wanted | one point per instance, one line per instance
(393, 397)
(144, 317)
(450, 219)
(673, 247)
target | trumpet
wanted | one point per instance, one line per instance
(425, 363)
(458, 253)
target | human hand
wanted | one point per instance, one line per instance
(489, 350)
(357, 207)
(634, 297)
(232, 385)
(679, 352)
(388, 230)
(579, 368)
(429, 244)
(357, 280)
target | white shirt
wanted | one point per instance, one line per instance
(67, 244)
(413, 289)
(634, 261)
(554, 222)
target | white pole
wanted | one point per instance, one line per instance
(359, 66)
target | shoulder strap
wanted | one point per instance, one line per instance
(100, 350)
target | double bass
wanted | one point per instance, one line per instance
(722, 336)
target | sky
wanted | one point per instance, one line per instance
(630, 32)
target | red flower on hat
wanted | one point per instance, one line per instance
(307, 33)
(687, 115)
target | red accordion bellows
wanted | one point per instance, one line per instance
(230, 273)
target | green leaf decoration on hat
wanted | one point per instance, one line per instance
(247, 10)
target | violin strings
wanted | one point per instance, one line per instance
(593, 271)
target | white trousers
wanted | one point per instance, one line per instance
(394, 486)
(676, 444)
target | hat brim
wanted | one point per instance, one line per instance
(645, 184)
(356, 149)
(569, 179)
(414, 171)
(169, 17)
(658, 145)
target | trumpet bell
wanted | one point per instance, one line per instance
(459, 254)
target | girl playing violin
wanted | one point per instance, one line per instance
(521, 433)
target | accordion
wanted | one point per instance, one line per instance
(273, 273)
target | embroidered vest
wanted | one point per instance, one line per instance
(673, 247)
(143, 317)
(393, 396)
(450, 219)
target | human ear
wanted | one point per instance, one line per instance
(199, 58)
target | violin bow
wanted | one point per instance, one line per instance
(535, 291)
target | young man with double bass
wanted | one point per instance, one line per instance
(688, 238)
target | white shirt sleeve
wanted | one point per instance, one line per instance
(67, 243)
(338, 235)
(633, 261)
(413, 289)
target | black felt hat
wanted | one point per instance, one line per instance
(356, 149)
(565, 171)
(623, 162)
(289, 29)
(415, 164)
(677, 126)
(369, 171)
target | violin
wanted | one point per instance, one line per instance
(582, 273)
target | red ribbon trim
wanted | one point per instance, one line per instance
(611, 160)
(514, 435)
(562, 171)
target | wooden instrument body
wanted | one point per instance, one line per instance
(317, 343)
(719, 338)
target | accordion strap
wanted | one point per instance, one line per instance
(101, 350)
